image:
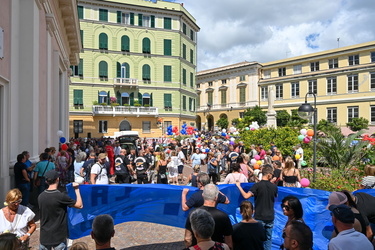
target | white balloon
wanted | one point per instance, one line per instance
(203, 156)
(232, 139)
(303, 131)
(224, 130)
(60, 133)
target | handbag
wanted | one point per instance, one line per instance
(38, 178)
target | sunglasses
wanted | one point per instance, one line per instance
(16, 202)
(284, 235)
(287, 208)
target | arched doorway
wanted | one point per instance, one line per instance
(210, 122)
(198, 122)
(125, 126)
(224, 116)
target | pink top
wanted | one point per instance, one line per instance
(244, 170)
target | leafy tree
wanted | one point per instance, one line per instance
(282, 118)
(222, 122)
(256, 115)
(358, 124)
(296, 121)
(326, 126)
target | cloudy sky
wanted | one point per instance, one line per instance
(265, 30)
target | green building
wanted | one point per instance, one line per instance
(137, 68)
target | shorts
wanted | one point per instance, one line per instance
(180, 168)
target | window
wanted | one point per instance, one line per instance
(241, 114)
(191, 104)
(313, 86)
(103, 97)
(152, 22)
(209, 98)
(198, 85)
(192, 35)
(140, 20)
(352, 83)
(372, 57)
(372, 118)
(297, 69)
(242, 95)
(168, 101)
(353, 60)
(314, 66)
(119, 16)
(77, 70)
(199, 100)
(166, 125)
(167, 23)
(282, 71)
(146, 127)
(123, 18)
(184, 51)
(184, 28)
(210, 84)
(103, 126)
(78, 98)
(184, 76)
(372, 80)
(103, 41)
(146, 72)
(242, 78)
(264, 93)
(146, 45)
(131, 18)
(295, 89)
(125, 44)
(184, 103)
(352, 113)
(103, 15)
(124, 70)
(103, 70)
(192, 56)
(223, 97)
(146, 21)
(81, 34)
(331, 85)
(333, 63)
(267, 74)
(191, 80)
(224, 81)
(80, 12)
(147, 99)
(167, 47)
(125, 98)
(332, 115)
(78, 126)
(167, 73)
(279, 91)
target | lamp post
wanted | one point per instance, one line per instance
(306, 111)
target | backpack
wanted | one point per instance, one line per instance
(120, 168)
(88, 172)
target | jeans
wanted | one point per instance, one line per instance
(25, 190)
(61, 246)
(268, 226)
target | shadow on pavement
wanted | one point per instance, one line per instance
(169, 245)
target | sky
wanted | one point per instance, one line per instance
(233, 31)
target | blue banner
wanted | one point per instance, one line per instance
(161, 203)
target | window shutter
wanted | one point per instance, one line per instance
(118, 97)
(131, 99)
(184, 76)
(98, 97)
(167, 23)
(191, 80)
(139, 98)
(103, 41)
(167, 101)
(80, 12)
(140, 20)
(108, 97)
(103, 69)
(146, 48)
(125, 43)
(167, 73)
(167, 47)
(191, 56)
(118, 70)
(146, 74)
(151, 102)
(127, 72)
(119, 14)
(132, 18)
(184, 51)
(190, 103)
(80, 67)
(184, 102)
(105, 125)
(100, 126)
(193, 104)
(81, 33)
(152, 21)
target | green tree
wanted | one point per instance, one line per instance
(358, 124)
(296, 121)
(326, 126)
(255, 115)
(282, 118)
(222, 122)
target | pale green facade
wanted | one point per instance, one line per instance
(138, 51)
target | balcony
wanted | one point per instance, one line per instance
(124, 110)
(125, 82)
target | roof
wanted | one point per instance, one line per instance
(227, 67)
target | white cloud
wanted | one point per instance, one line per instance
(267, 30)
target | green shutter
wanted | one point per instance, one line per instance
(108, 98)
(103, 69)
(98, 96)
(184, 28)
(146, 74)
(167, 73)
(167, 47)
(242, 94)
(131, 99)
(127, 71)
(184, 102)
(103, 41)
(119, 15)
(223, 97)
(146, 47)
(184, 51)
(139, 98)
(78, 97)
(118, 70)
(81, 33)
(167, 100)
(131, 18)
(80, 67)
(190, 103)
(184, 76)
(191, 56)
(193, 104)
(198, 100)
(192, 35)
(151, 102)
(152, 21)
(80, 12)
(140, 20)
(191, 80)
(125, 43)
(118, 97)
(167, 23)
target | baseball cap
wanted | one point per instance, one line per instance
(52, 175)
(336, 198)
(368, 182)
(343, 213)
(102, 156)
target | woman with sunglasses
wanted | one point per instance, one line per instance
(292, 208)
(16, 218)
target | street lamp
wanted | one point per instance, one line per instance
(306, 111)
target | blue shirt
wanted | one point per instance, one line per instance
(41, 167)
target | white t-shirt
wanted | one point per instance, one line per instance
(300, 152)
(19, 224)
(102, 178)
(180, 157)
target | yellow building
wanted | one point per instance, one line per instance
(343, 80)
(226, 92)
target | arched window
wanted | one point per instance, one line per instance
(103, 69)
(125, 43)
(146, 99)
(125, 98)
(146, 72)
(125, 70)
(103, 97)
(103, 41)
(146, 45)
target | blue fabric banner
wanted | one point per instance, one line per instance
(161, 203)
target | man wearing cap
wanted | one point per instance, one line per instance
(348, 238)
(98, 173)
(53, 213)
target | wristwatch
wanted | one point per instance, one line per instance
(28, 234)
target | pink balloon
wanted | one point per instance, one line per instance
(304, 182)
(306, 139)
(257, 157)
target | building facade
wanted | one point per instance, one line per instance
(226, 92)
(137, 68)
(39, 40)
(342, 79)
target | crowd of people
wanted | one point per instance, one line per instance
(104, 161)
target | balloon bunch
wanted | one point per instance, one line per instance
(253, 126)
(306, 135)
(62, 140)
(185, 130)
(172, 130)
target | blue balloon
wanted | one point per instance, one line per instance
(62, 140)
(223, 134)
(207, 150)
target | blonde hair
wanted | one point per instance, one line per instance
(162, 156)
(289, 163)
(197, 168)
(79, 246)
(13, 195)
(246, 210)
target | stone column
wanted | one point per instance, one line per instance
(271, 113)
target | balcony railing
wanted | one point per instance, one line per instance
(125, 82)
(225, 106)
(124, 110)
